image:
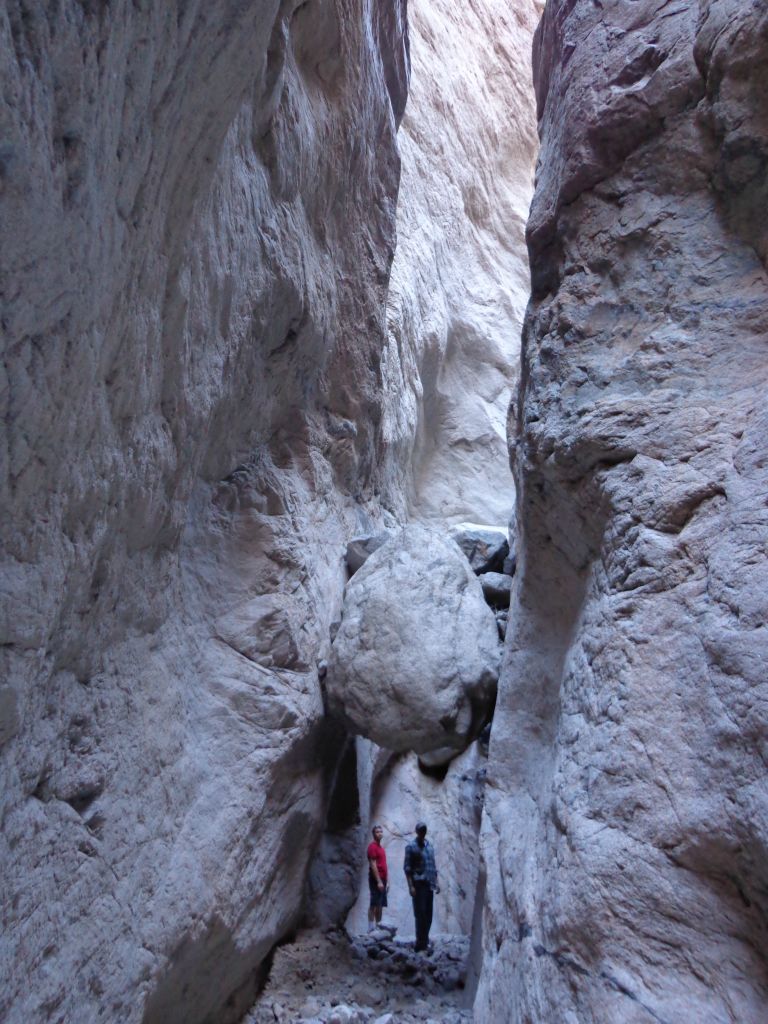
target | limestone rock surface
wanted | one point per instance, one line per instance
(460, 275)
(198, 210)
(415, 661)
(627, 801)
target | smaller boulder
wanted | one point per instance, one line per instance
(486, 547)
(496, 588)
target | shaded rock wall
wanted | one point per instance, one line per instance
(625, 843)
(460, 275)
(198, 222)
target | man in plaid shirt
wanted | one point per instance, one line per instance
(421, 873)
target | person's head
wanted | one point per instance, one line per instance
(421, 831)
(378, 833)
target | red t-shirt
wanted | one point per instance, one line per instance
(376, 852)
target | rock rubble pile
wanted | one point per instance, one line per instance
(336, 978)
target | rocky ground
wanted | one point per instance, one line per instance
(333, 978)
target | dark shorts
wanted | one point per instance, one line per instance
(378, 898)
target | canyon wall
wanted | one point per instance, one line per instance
(627, 829)
(198, 208)
(460, 275)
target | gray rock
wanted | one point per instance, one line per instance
(627, 812)
(268, 630)
(180, 290)
(359, 548)
(496, 588)
(437, 758)
(459, 285)
(414, 663)
(502, 618)
(486, 547)
(509, 565)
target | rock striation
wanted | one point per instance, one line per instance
(627, 821)
(198, 208)
(415, 661)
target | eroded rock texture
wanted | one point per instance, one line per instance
(626, 839)
(460, 276)
(198, 222)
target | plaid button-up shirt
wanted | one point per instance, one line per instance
(419, 862)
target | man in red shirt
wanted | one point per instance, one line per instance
(377, 878)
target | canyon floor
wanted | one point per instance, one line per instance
(333, 978)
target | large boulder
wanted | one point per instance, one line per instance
(415, 661)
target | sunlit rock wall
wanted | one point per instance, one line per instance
(460, 275)
(627, 831)
(198, 209)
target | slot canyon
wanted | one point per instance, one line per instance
(384, 442)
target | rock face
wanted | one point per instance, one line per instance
(198, 223)
(458, 291)
(460, 276)
(415, 661)
(625, 843)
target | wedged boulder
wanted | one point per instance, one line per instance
(360, 549)
(415, 661)
(496, 587)
(486, 547)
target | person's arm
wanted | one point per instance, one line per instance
(436, 887)
(407, 870)
(375, 872)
